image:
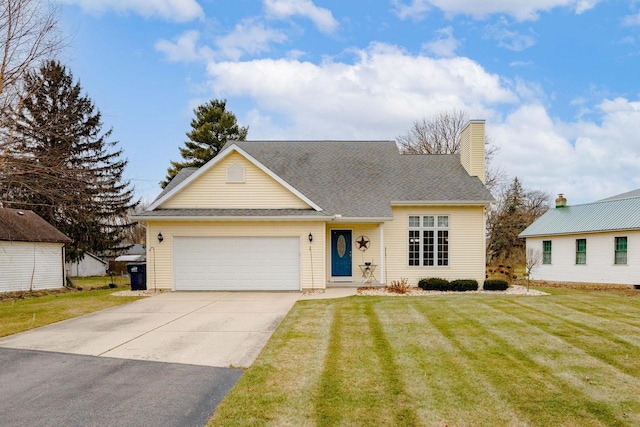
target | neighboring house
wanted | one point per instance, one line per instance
(31, 252)
(89, 265)
(596, 242)
(292, 215)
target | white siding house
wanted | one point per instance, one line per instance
(89, 265)
(596, 242)
(31, 252)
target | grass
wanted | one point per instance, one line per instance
(571, 359)
(94, 282)
(27, 310)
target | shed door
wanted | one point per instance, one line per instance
(236, 263)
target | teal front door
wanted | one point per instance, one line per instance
(341, 253)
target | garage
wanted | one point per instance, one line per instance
(236, 263)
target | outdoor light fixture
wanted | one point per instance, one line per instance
(310, 237)
(160, 238)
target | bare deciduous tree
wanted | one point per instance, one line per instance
(28, 35)
(440, 134)
(534, 258)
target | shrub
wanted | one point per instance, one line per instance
(399, 286)
(434, 284)
(463, 285)
(495, 285)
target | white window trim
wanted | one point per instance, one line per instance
(421, 228)
(626, 252)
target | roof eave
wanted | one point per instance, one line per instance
(441, 203)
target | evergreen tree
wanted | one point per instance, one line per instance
(63, 167)
(516, 210)
(212, 127)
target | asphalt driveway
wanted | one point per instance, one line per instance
(60, 389)
(222, 329)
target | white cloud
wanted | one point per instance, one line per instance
(378, 96)
(250, 36)
(509, 39)
(520, 9)
(584, 160)
(632, 20)
(445, 45)
(172, 10)
(322, 18)
(184, 48)
(415, 10)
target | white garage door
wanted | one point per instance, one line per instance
(236, 263)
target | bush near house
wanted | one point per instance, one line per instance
(463, 285)
(434, 284)
(437, 284)
(495, 285)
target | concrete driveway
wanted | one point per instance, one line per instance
(223, 329)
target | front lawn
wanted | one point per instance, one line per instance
(27, 311)
(571, 358)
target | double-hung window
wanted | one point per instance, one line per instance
(620, 251)
(581, 251)
(546, 251)
(429, 240)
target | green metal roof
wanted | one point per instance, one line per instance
(607, 215)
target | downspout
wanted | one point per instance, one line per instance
(382, 255)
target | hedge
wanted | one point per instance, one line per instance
(495, 285)
(437, 284)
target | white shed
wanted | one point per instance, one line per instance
(89, 265)
(31, 252)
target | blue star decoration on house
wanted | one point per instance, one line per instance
(363, 243)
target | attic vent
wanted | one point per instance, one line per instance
(235, 173)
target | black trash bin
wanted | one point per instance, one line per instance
(138, 276)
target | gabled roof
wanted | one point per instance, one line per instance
(26, 226)
(607, 215)
(354, 179)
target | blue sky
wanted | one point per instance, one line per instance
(555, 80)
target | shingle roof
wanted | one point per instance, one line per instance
(360, 179)
(26, 226)
(608, 215)
(183, 174)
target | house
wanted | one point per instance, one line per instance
(31, 252)
(292, 215)
(596, 242)
(89, 265)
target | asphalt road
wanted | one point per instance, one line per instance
(58, 389)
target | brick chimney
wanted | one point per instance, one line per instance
(561, 202)
(472, 148)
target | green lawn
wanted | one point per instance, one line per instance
(28, 312)
(571, 359)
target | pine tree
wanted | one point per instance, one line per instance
(64, 167)
(212, 127)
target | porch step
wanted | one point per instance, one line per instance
(354, 285)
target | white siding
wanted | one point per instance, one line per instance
(25, 266)
(87, 266)
(600, 267)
